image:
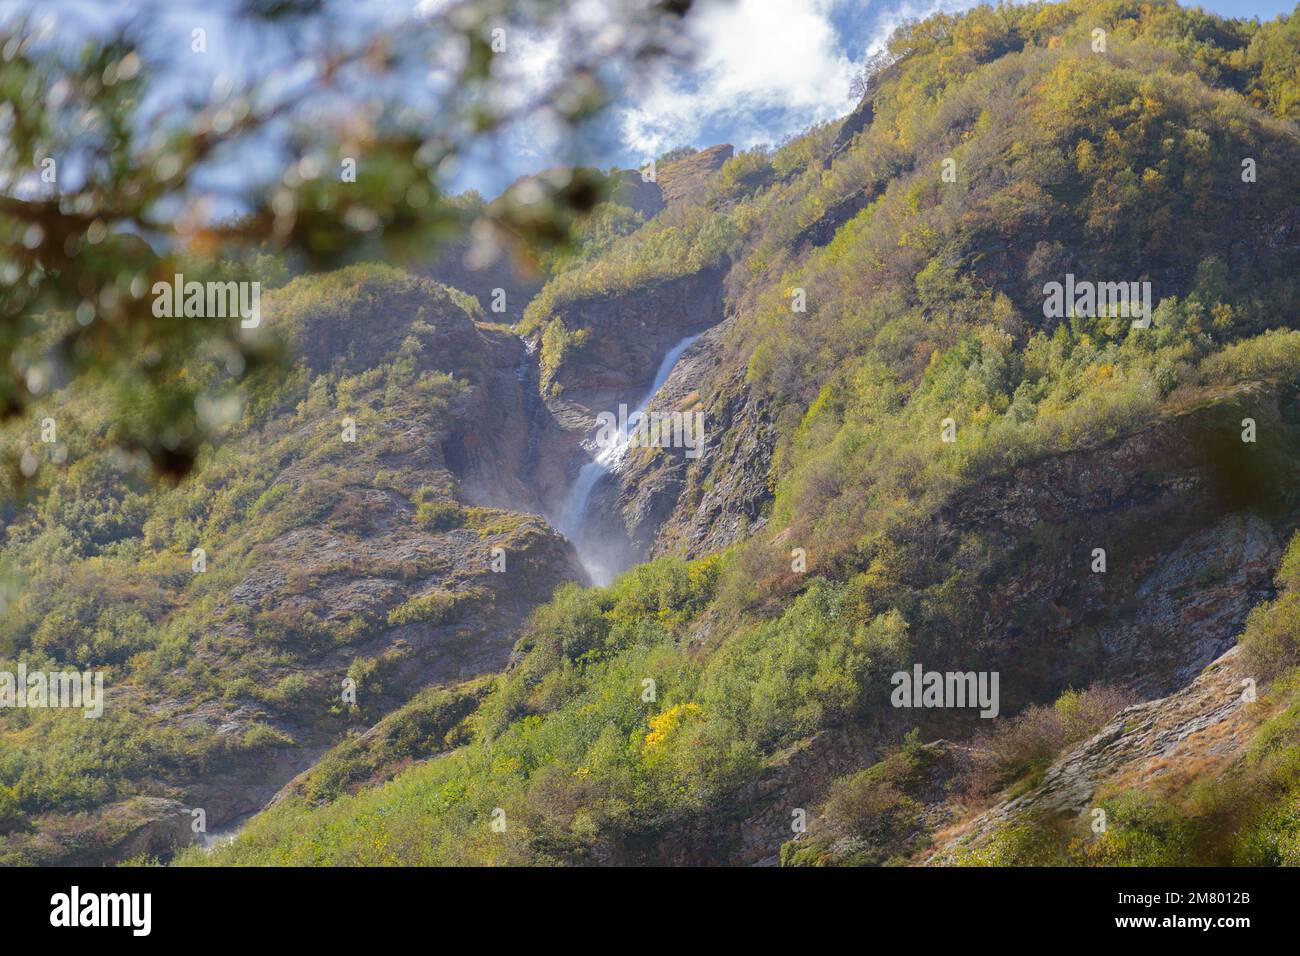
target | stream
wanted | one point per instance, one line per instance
(603, 560)
(600, 558)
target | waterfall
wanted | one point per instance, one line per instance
(574, 519)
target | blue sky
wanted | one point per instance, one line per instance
(766, 69)
(763, 70)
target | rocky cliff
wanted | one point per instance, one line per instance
(1199, 730)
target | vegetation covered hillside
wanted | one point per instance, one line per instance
(943, 457)
(325, 539)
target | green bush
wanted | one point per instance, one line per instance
(1271, 639)
(439, 515)
(260, 736)
(435, 607)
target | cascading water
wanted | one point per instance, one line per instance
(574, 520)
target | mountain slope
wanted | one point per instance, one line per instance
(323, 559)
(909, 461)
(692, 711)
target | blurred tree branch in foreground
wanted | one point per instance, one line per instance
(101, 198)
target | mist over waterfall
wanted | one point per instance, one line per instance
(602, 558)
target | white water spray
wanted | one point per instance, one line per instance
(574, 519)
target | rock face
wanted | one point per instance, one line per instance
(629, 333)
(372, 554)
(158, 826)
(638, 194)
(1206, 724)
(492, 449)
(852, 125)
(628, 336)
(672, 503)
(363, 578)
(1193, 522)
(687, 179)
(141, 826)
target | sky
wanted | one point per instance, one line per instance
(763, 70)
(768, 69)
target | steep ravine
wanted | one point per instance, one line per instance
(604, 554)
(506, 437)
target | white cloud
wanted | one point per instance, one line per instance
(779, 57)
(896, 13)
(753, 55)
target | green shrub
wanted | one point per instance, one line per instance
(260, 736)
(434, 607)
(439, 515)
(1271, 638)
